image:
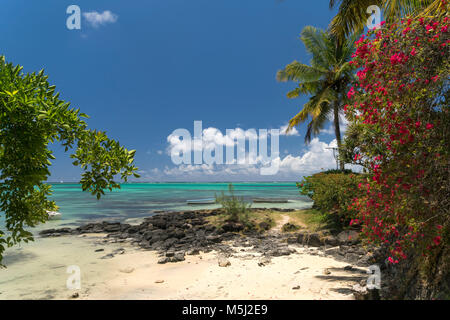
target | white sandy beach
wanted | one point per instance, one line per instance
(38, 271)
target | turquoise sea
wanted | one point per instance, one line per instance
(136, 200)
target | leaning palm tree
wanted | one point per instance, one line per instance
(352, 15)
(326, 80)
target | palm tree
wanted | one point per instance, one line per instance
(352, 15)
(326, 80)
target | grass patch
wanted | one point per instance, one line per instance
(290, 227)
(309, 219)
(253, 220)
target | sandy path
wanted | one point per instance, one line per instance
(277, 228)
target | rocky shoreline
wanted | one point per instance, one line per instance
(176, 234)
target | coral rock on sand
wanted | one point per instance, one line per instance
(224, 262)
(193, 252)
(171, 256)
(264, 261)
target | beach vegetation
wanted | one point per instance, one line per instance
(290, 227)
(333, 194)
(234, 207)
(400, 118)
(264, 220)
(33, 117)
(400, 108)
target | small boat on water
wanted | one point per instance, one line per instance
(270, 200)
(54, 215)
(202, 201)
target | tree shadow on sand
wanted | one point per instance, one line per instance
(17, 256)
(355, 276)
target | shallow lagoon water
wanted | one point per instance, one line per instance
(143, 199)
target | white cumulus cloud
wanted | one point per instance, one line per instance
(292, 132)
(97, 19)
(316, 157)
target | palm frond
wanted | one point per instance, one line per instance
(316, 125)
(325, 80)
(315, 43)
(297, 119)
(396, 9)
(344, 70)
(316, 106)
(303, 88)
(349, 46)
(297, 71)
(436, 7)
(352, 15)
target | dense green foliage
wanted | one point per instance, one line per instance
(326, 80)
(32, 116)
(345, 171)
(333, 193)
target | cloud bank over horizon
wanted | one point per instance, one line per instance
(317, 156)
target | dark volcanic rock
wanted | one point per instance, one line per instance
(169, 243)
(159, 223)
(46, 232)
(179, 256)
(133, 229)
(309, 239)
(175, 234)
(193, 252)
(264, 225)
(163, 260)
(55, 232)
(283, 251)
(178, 233)
(215, 239)
(330, 240)
(111, 227)
(349, 237)
(233, 227)
(288, 227)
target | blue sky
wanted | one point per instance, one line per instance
(161, 64)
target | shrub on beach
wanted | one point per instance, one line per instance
(400, 111)
(333, 194)
(235, 207)
(399, 114)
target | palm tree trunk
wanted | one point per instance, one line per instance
(337, 132)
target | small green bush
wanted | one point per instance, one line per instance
(332, 194)
(235, 207)
(289, 227)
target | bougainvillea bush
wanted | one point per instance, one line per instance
(400, 109)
